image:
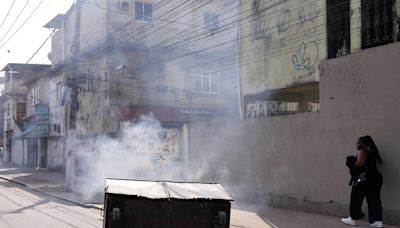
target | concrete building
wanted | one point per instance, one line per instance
(119, 60)
(36, 125)
(338, 56)
(14, 98)
(282, 43)
(298, 161)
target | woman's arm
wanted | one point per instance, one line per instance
(361, 158)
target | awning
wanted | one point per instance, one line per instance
(37, 125)
(161, 113)
(303, 92)
(55, 23)
(36, 130)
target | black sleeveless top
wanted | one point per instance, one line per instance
(372, 173)
(371, 163)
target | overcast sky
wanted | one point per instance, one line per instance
(19, 46)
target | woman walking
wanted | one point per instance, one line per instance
(366, 182)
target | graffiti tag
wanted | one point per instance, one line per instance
(306, 56)
(262, 30)
(262, 109)
(283, 21)
(309, 13)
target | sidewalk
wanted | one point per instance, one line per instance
(52, 183)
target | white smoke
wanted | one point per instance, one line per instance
(139, 152)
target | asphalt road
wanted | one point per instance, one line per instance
(21, 207)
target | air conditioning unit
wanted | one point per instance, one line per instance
(124, 5)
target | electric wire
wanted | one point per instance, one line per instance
(23, 23)
(7, 14)
(281, 52)
(15, 20)
(189, 53)
(51, 34)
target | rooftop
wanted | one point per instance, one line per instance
(24, 67)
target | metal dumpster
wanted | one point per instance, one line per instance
(153, 204)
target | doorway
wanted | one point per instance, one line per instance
(32, 151)
(43, 152)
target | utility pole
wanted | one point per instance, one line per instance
(74, 80)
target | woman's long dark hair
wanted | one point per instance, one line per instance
(371, 147)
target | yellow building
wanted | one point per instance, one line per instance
(281, 44)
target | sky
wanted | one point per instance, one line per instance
(18, 44)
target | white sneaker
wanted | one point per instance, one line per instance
(349, 221)
(377, 224)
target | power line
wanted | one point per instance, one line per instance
(15, 20)
(205, 49)
(44, 7)
(40, 47)
(277, 52)
(23, 23)
(8, 12)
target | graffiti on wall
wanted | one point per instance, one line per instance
(265, 25)
(262, 30)
(263, 108)
(163, 144)
(309, 12)
(262, 25)
(275, 22)
(175, 93)
(306, 56)
(283, 21)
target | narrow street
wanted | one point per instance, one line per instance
(21, 207)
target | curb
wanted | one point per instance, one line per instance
(51, 194)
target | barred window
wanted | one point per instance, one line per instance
(377, 20)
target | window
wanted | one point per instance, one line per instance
(123, 5)
(1, 88)
(211, 22)
(206, 81)
(338, 27)
(143, 12)
(33, 96)
(21, 111)
(59, 92)
(377, 20)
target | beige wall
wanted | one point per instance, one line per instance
(43, 93)
(151, 69)
(355, 25)
(281, 43)
(56, 154)
(175, 22)
(297, 161)
(93, 101)
(183, 24)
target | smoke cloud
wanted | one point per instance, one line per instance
(139, 152)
